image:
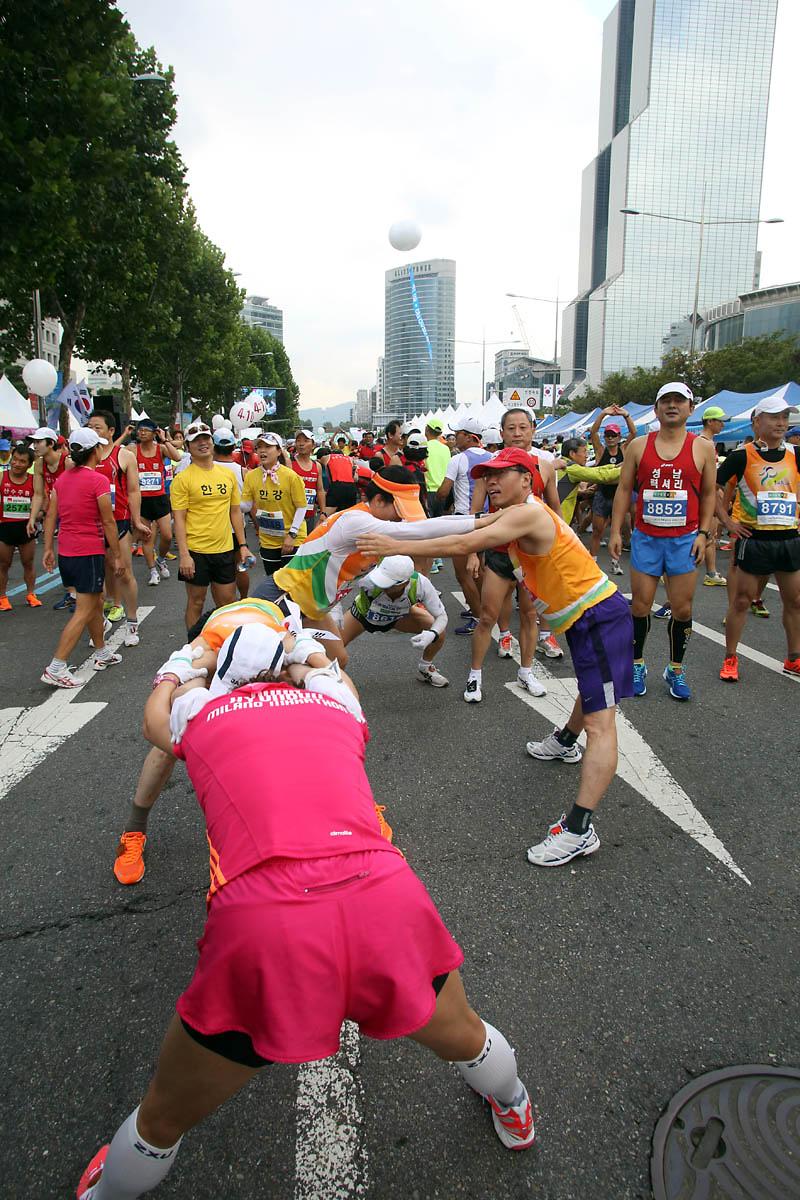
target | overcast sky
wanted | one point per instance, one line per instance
(308, 128)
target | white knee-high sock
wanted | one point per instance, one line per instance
(132, 1167)
(494, 1071)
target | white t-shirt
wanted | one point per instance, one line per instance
(458, 470)
(237, 470)
(385, 610)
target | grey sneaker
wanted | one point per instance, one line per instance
(551, 749)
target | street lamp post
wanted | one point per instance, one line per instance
(703, 223)
(483, 344)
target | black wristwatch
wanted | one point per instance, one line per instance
(704, 532)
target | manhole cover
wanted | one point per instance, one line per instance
(732, 1133)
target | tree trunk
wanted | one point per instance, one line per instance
(127, 395)
(69, 335)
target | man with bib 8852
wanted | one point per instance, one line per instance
(675, 476)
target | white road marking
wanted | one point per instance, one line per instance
(330, 1151)
(28, 735)
(638, 765)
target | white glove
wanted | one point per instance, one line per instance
(304, 647)
(180, 663)
(184, 709)
(328, 682)
(421, 640)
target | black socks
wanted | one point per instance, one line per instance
(641, 628)
(579, 819)
(679, 634)
(565, 737)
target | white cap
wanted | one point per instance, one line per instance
(86, 439)
(677, 389)
(270, 439)
(248, 651)
(772, 405)
(408, 426)
(417, 441)
(43, 433)
(197, 429)
(492, 436)
(397, 568)
(306, 433)
(468, 425)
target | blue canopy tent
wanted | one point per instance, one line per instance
(563, 425)
(739, 406)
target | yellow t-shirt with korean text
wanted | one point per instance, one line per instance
(207, 497)
(274, 504)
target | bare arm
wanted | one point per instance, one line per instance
(134, 492)
(708, 497)
(496, 530)
(550, 495)
(444, 489)
(622, 499)
(155, 725)
(185, 560)
(320, 490)
(38, 497)
(594, 432)
(631, 428)
(49, 558)
(238, 531)
(478, 496)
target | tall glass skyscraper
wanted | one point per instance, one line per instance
(419, 337)
(683, 104)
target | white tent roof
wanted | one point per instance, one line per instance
(15, 410)
(492, 411)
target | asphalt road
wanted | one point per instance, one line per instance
(617, 979)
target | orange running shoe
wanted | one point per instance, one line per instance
(730, 669)
(32, 600)
(791, 666)
(137, 552)
(129, 863)
(386, 829)
(92, 1174)
(5, 604)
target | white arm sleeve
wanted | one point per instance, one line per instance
(429, 598)
(418, 531)
(298, 518)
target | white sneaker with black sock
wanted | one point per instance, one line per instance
(472, 692)
(527, 680)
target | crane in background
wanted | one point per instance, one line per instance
(523, 332)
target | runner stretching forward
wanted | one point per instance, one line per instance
(313, 917)
(580, 601)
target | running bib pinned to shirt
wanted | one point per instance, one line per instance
(270, 522)
(777, 508)
(665, 507)
(16, 508)
(150, 481)
(311, 497)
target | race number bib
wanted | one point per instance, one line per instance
(16, 508)
(270, 522)
(777, 508)
(665, 507)
(311, 497)
(149, 481)
(381, 616)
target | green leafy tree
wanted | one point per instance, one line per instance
(83, 149)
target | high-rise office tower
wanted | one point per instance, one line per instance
(258, 312)
(683, 115)
(419, 337)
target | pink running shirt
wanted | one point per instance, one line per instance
(242, 752)
(80, 530)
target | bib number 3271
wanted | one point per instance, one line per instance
(665, 507)
(777, 508)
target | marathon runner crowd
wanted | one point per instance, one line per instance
(314, 915)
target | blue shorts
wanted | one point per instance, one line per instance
(659, 556)
(601, 645)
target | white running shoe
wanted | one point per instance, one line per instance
(473, 693)
(505, 646)
(560, 846)
(531, 684)
(432, 676)
(132, 633)
(61, 679)
(163, 569)
(551, 748)
(103, 659)
(513, 1124)
(155, 578)
(107, 628)
(616, 569)
(549, 647)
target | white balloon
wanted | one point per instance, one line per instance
(217, 421)
(40, 376)
(226, 424)
(405, 235)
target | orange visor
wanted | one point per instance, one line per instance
(406, 498)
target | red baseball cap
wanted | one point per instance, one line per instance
(510, 456)
(612, 428)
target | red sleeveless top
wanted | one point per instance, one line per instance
(49, 476)
(119, 484)
(668, 503)
(16, 499)
(151, 473)
(309, 478)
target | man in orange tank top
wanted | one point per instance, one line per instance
(764, 524)
(580, 601)
(675, 476)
